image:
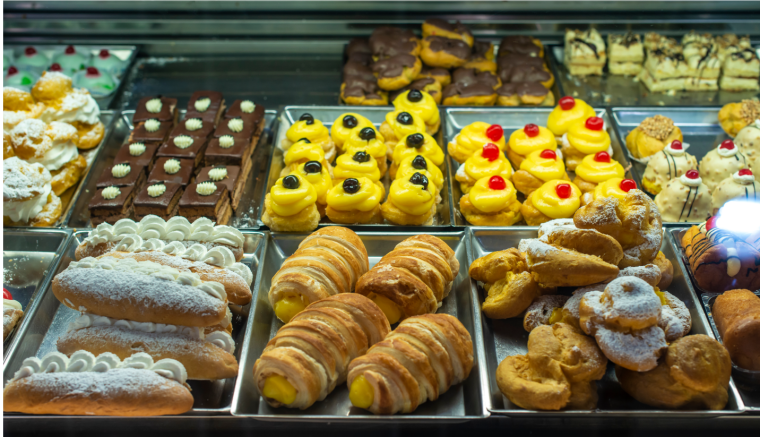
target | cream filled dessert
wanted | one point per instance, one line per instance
(721, 163)
(740, 185)
(685, 199)
(664, 166)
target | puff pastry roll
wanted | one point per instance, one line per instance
(309, 356)
(420, 360)
(327, 262)
(412, 279)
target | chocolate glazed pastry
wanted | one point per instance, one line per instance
(483, 49)
(356, 69)
(165, 111)
(181, 176)
(122, 175)
(440, 75)
(439, 27)
(184, 146)
(524, 93)
(429, 85)
(356, 91)
(206, 105)
(142, 133)
(482, 57)
(521, 45)
(111, 210)
(140, 154)
(396, 72)
(476, 94)
(527, 73)
(242, 109)
(391, 41)
(164, 205)
(186, 127)
(443, 52)
(234, 180)
(358, 45)
(469, 76)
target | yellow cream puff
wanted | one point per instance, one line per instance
(422, 105)
(489, 162)
(582, 139)
(492, 201)
(568, 112)
(651, 136)
(413, 145)
(538, 167)
(344, 124)
(370, 141)
(399, 124)
(291, 206)
(419, 164)
(733, 117)
(411, 201)
(524, 141)
(313, 130)
(554, 200)
(615, 187)
(595, 169)
(719, 164)
(319, 178)
(740, 185)
(667, 164)
(355, 200)
(685, 199)
(300, 152)
(472, 137)
(360, 164)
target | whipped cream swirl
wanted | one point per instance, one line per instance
(177, 228)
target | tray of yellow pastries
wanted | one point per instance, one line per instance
(367, 166)
(541, 356)
(54, 328)
(339, 358)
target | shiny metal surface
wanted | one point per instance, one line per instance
(462, 402)
(507, 337)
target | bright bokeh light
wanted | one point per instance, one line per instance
(741, 217)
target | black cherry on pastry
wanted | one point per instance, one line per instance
(549, 154)
(414, 96)
(567, 103)
(291, 182)
(419, 179)
(627, 185)
(55, 67)
(308, 118)
(692, 174)
(360, 156)
(415, 140)
(676, 145)
(745, 172)
(305, 140)
(594, 123)
(727, 144)
(351, 185)
(350, 121)
(491, 152)
(531, 130)
(313, 167)
(497, 183)
(367, 134)
(563, 191)
(494, 132)
(419, 162)
(602, 157)
(405, 118)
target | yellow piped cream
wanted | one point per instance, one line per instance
(366, 199)
(286, 202)
(302, 151)
(346, 167)
(586, 140)
(473, 136)
(406, 169)
(478, 167)
(402, 130)
(543, 168)
(546, 200)
(486, 199)
(361, 394)
(609, 188)
(560, 120)
(426, 108)
(315, 132)
(278, 388)
(322, 182)
(523, 145)
(593, 171)
(429, 149)
(412, 198)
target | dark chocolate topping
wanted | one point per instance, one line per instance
(510, 60)
(361, 58)
(626, 40)
(144, 199)
(351, 185)
(118, 204)
(313, 167)
(592, 46)
(518, 45)
(224, 129)
(234, 111)
(360, 156)
(182, 177)
(469, 76)
(215, 154)
(134, 176)
(140, 134)
(233, 173)
(355, 69)
(143, 159)
(522, 89)
(209, 114)
(394, 66)
(358, 87)
(481, 48)
(206, 129)
(455, 47)
(191, 198)
(434, 72)
(392, 41)
(358, 45)
(168, 106)
(476, 89)
(456, 27)
(524, 73)
(171, 149)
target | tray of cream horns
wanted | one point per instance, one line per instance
(147, 292)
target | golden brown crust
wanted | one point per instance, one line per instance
(13, 316)
(305, 221)
(737, 317)
(589, 242)
(708, 262)
(666, 270)
(530, 213)
(553, 266)
(396, 216)
(506, 217)
(526, 183)
(355, 217)
(90, 135)
(733, 117)
(496, 265)
(510, 296)
(68, 175)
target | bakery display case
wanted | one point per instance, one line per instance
(381, 215)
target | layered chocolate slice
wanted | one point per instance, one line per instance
(184, 147)
(152, 131)
(157, 107)
(206, 105)
(206, 199)
(231, 176)
(122, 175)
(172, 170)
(228, 150)
(247, 110)
(111, 204)
(193, 127)
(161, 199)
(137, 153)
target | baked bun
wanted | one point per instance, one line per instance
(457, 30)
(733, 117)
(439, 51)
(737, 317)
(651, 136)
(397, 71)
(510, 296)
(556, 266)
(357, 91)
(666, 271)
(563, 233)
(545, 310)
(496, 265)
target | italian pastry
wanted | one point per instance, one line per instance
(482, 57)
(86, 385)
(421, 104)
(685, 199)
(595, 169)
(583, 139)
(492, 201)
(419, 164)
(521, 45)
(396, 71)
(489, 162)
(439, 27)
(327, 263)
(585, 52)
(388, 41)
(355, 200)
(740, 185)
(539, 167)
(545, 310)
(12, 77)
(412, 279)
(615, 187)
(18, 106)
(440, 75)
(359, 163)
(411, 201)
(669, 163)
(303, 151)
(206, 199)
(232, 176)
(159, 108)
(514, 68)
(694, 374)
(737, 317)
(28, 198)
(651, 136)
(553, 200)
(510, 294)
(108, 62)
(398, 125)
(730, 43)
(626, 54)
(719, 260)
(748, 140)
(409, 367)
(529, 139)
(443, 52)
(319, 177)
(160, 199)
(472, 138)
(477, 93)
(70, 60)
(139, 154)
(559, 371)
(720, 163)
(524, 93)
(311, 354)
(733, 117)
(12, 313)
(667, 69)
(368, 140)
(568, 112)
(206, 105)
(111, 204)
(313, 130)
(290, 206)
(32, 59)
(741, 71)
(344, 125)
(413, 145)
(427, 84)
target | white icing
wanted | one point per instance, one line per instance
(172, 166)
(183, 141)
(152, 125)
(226, 141)
(205, 188)
(676, 152)
(92, 320)
(154, 105)
(222, 339)
(28, 209)
(193, 124)
(690, 182)
(120, 170)
(78, 105)
(217, 174)
(201, 105)
(177, 228)
(726, 153)
(11, 304)
(247, 106)
(111, 193)
(235, 125)
(156, 190)
(747, 179)
(136, 149)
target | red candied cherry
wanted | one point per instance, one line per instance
(567, 103)
(712, 222)
(497, 183)
(595, 123)
(676, 145)
(531, 130)
(12, 70)
(627, 185)
(7, 294)
(70, 50)
(727, 144)
(549, 154)
(494, 132)
(491, 152)
(563, 190)
(692, 174)
(745, 172)
(56, 67)
(602, 157)
(104, 53)
(92, 71)
(30, 51)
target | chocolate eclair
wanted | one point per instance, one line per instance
(439, 27)
(476, 94)
(397, 71)
(524, 93)
(357, 91)
(359, 70)
(438, 51)
(521, 45)
(441, 75)
(469, 76)
(391, 41)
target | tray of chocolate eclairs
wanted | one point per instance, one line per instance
(139, 319)
(587, 316)
(202, 161)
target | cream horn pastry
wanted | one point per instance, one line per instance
(205, 356)
(86, 385)
(140, 291)
(202, 231)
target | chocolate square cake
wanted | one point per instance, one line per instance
(246, 110)
(161, 199)
(227, 151)
(111, 204)
(161, 171)
(159, 107)
(214, 205)
(193, 127)
(122, 175)
(230, 175)
(184, 146)
(206, 105)
(237, 127)
(151, 131)
(137, 153)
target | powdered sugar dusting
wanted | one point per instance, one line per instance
(22, 180)
(641, 347)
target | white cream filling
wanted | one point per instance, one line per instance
(89, 113)
(27, 209)
(746, 179)
(60, 154)
(11, 304)
(691, 182)
(727, 153)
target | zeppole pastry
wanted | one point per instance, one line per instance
(568, 112)
(12, 313)
(651, 136)
(412, 279)
(685, 199)
(439, 27)
(545, 310)
(694, 374)
(421, 104)
(314, 131)
(419, 164)
(667, 164)
(18, 106)
(595, 169)
(319, 178)
(559, 371)
(748, 141)
(553, 200)
(344, 125)
(492, 201)
(538, 167)
(408, 367)
(303, 151)
(399, 125)
(413, 145)
(396, 71)
(291, 205)
(358, 164)
(472, 138)
(355, 200)
(489, 162)
(411, 201)
(583, 139)
(529, 139)
(28, 198)
(740, 185)
(443, 52)
(310, 355)
(86, 385)
(562, 263)
(615, 187)
(368, 140)
(719, 164)
(733, 117)
(737, 317)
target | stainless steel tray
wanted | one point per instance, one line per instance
(328, 114)
(29, 256)
(242, 218)
(50, 319)
(610, 89)
(510, 119)
(462, 402)
(507, 337)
